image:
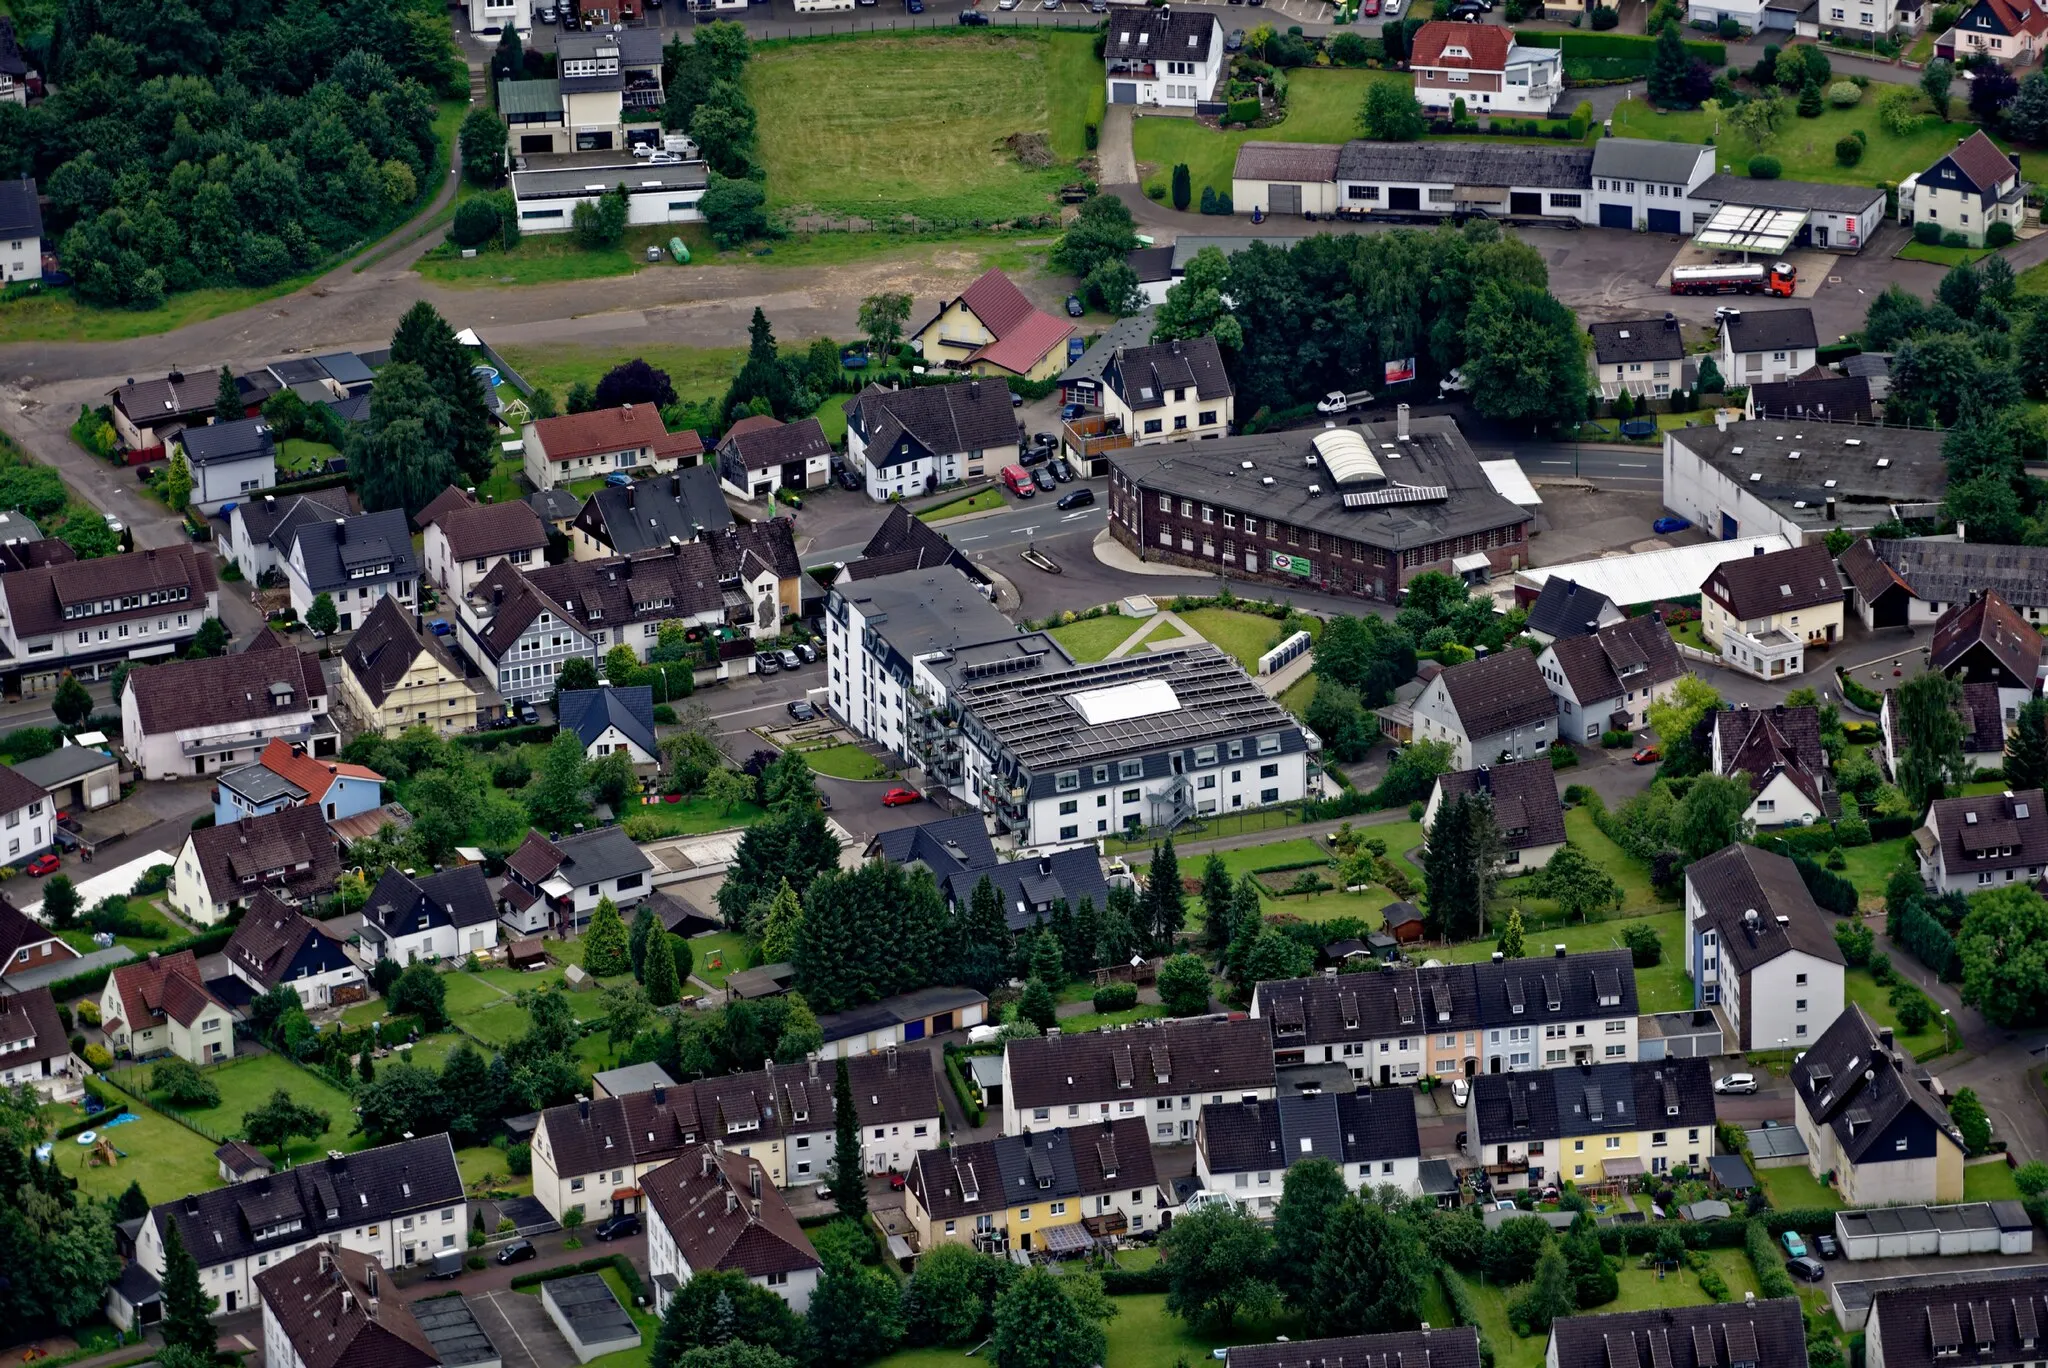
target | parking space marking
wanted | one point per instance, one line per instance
(524, 1348)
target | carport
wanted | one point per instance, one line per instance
(1746, 229)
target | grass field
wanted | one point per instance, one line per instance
(1992, 1182)
(696, 372)
(846, 762)
(933, 140)
(79, 938)
(1805, 147)
(1662, 988)
(1297, 696)
(1875, 999)
(550, 258)
(248, 1083)
(1093, 639)
(1141, 1335)
(980, 501)
(1641, 1290)
(165, 1157)
(1247, 636)
(1165, 631)
(302, 456)
(483, 1161)
(1869, 866)
(695, 817)
(1944, 256)
(1793, 1186)
(730, 945)
(1322, 107)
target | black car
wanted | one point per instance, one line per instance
(1061, 471)
(1044, 439)
(1235, 42)
(1811, 1270)
(1827, 1247)
(1044, 480)
(1036, 455)
(802, 711)
(1079, 498)
(1074, 309)
(519, 1251)
(529, 715)
(619, 1226)
(849, 480)
(973, 18)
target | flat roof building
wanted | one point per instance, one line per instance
(1800, 479)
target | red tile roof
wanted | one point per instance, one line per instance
(584, 434)
(679, 444)
(1486, 44)
(1979, 158)
(280, 757)
(1023, 333)
(161, 984)
(997, 302)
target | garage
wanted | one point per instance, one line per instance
(1665, 221)
(1123, 92)
(533, 143)
(1404, 200)
(1523, 203)
(1617, 216)
(1283, 199)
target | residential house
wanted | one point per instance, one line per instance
(519, 636)
(1606, 680)
(355, 561)
(1029, 887)
(1244, 1149)
(1779, 751)
(2010, 32)
(556, 508)
(463, 543)
(1051, 1191)
(152, 412)
(1569, 1009)
(602, 443)
(1984, 728)
(1921, 1326)
(21, 210)
(331, 1307)
(1566, 608)
(1760, 950)
(990, 328)
(1986, 641)
(1869, 1117)
(1715, 1335)
(713, 1209)
(1644, 356)
(26, 944)
(284, 776)
(1595, 1124)
(221, 866)
(760, 455)
(35, 1051)
(1647, 185)
(760, 575)
(1485, 68)
(31, 818)
(947, 846)
(1766, 344)
(229, 461)
(906, 542)
(400, 1204)
(1870, 20)
(161, 1006)
(1163, 1072)
(257, 527)
(1817, 395)
(394, 678)
(1081, 382)
(1972, 843)
(1493, 709)
(615, 718)
(1169, 392)
(1763, 611)
(441, 916)
(595, 1154)
(86, 618)
(1526, 808)
(1167, 57)
(912, 441)
(555, 885)
(646, 515)
(206, 716)
(275, 943)
(1913, 582)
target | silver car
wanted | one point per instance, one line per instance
(788, 659)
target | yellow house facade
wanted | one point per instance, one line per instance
(991, 329)
(392, 678)
(1019, 1191)
(1593, 1124)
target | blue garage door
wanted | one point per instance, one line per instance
(1617, 216)
(1728, 527)
(1664, 221)
(913, 1030)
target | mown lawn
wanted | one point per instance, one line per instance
(1793, 1187)
(1165, 631)
(1641, 1290)
(79, 938)
(1093, 639)
(480, 1162)
(1140, 1335)
(846, 762)
(1322, 107)
(1247, 636)
(1868, 867)
(1944, 256)
(981, 501)
(1662, 988)
(933, 140)
(696, 372)
(1805, 147)
(691, 818)
(248, 1083)
(1297, 696)
(552, 258)
(1875, 999)
(302, 456)
(728, 948)
(1991, 1182)
(168, 1159)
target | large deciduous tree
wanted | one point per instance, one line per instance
(1523, 359)
(2003, 945)
(1930, 736)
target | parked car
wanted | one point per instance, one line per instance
(617, 478)
(806, 652)
(1079, 498)
(519, 1251)
(1826, 1247)
(789, 660)
(897, 1181)
(1074, 309)
(1016, 399)
(1049, 4)
(801, 710)
(1234, 42)
(1812, 1270)
(848, 480)
(618, 1227)
(914, 6)
(1036, 455)
(1794, 1246)
(1647, 755)
(1069, 412)
(1061, 471)
(1006, 4)
(1736, 1083)
(973, 18)
(1668, 524)
(529, 716)
(45, 863)
(545, 15)
(1461, 1091)
(1044, 439)
(901, 797)
(1044, 479)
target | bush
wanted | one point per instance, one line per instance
(1848, 150)
(96, 1057)
(476, 222)
(1562, 756)
(1914, 1013)
(1954, 239)
(1116, 997)
(1247, 111)
(1927, 234)
(1604, 17)
(1843, 94)
(1728, 30)
(1615, 740)
(1765, 168)
(1999, 234)
(1644, 946)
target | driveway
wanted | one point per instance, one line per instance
(1115, 162)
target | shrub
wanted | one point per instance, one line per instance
(1605, 17)
(1954, 239)
(1765, 168)
(1926, 233)
(1999, 234)
(476, 223)
(1615, 740)
(1116, 997)
(1728, 29)
(1247, 111)
(1913, 1010)
(1562, 756)
(1843, 94)
(1644, 946)
(96, 1057)
(1848, 151)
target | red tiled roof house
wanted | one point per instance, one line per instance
(990, 328)
(1973, 185)
(1482, 65)
(583, 446)
(161, 1006)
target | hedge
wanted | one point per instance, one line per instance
(1771, 1278)
(508, 736)
(1123, 1282)
(1628, 45)
(93, 980)
(1464, 1310)
(624, 1266)
(957, 1075)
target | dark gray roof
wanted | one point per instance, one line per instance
(1209, 1055)
(1286, 161)
(458, 897)
(1015, 1170)
(894, 1011)
(21, 214)
(1565, 609)
(1141, 376)
(905, 542)
(1030, 887)
(1592, 983)
(1992, 831)
(1769, 1334)
(774, 444)
(946, 846)
(574, 182)
(452, 1328)
(595, 856)
(1925, 1326)
(1739, 879)
(345, 368)
(1724, 188)
(1438, 1347)
(1134, 331)
(646, 513)
(1776, 581)
(1152, 264)
(1751, 330)
(1645, 159)
(558, 505)
(1867, 1094)
(1593, 1099)
(933, 420)
(926, 610)
(1942, 571)
(63, 765)
(1140, 34)
(1441, 163)
(587, 713)
(1525, 802)
(1635, 653)
(1345, 1128)
(262, 518)
(1835, 462)
(242, 440)
(1841, 398)
(1637, 339)
(367, 548)
(1498, 692)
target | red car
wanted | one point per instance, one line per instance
(1648, 755)
(898, 797)
(45, 863)
(896, 1181)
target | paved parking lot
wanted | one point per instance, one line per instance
(520, 1329)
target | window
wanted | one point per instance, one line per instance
(1368, 193)
(1130, 769)
(1067, 781)
(1269, 771)
(1614, 1142)
(1069, 807)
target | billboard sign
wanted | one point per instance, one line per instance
(1399, 371)
(1290, 565)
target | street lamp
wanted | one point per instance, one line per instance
(1946, 1017)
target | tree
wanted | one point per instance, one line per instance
(634, 382)
(645, 925)
(1551, 1295)
(1184, 985)
(1102, 230)
(1183, 187)
(1461, 865)
(600, 225)
(72, 703)
(1674, 719)
(557, 797)
(607, 952)
(60, 902)
(1310, 1194)
(1039, 1324)
(2026, 118)
(951, 1298)
(1935, 81)
(483, 140)
(849, 1182)
(1523, 358)
(1930, 736)
(461, 428)
(277, 1122)
(211, 640)
(855, 1313)
(1710, 815)
(1510, 942)
(1217, 893)
(882, 317)
(227, 399)
(1113, 287)
(664, 984)
(321, 616)
(1593, 1280)
(783, 926)
(1579, 885)
(1337, 715)
(187, 1322)
(1968, 1114)
(1390, 113)
(2003, 945)
(734, 210)
(178, 481)
(1669, 62)
(181, 1085)
(1368, 1276)
(1195, 306)
(420, 992)
(732, 1354)
(1216, 1261)
(716, 1307)
(728, 788)
(1163, 905)
(2026, 755)
(133, 1204)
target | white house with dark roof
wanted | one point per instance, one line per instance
(35, 1050)
(1778, 751)
(1868, 1118)
(257, 526)
(617, 718)
(27, 945)
(1566, 608)
(1914, 581)
(1767, 1334)
(1642, 184)
(21, 212)
(1645, 356)
(87, 617)
(461, 544)
(1167, 57)
(1969, 844)
(1799, 479)
(1489, 710)
(912, 441)
(1767, 344)
(1984, 727)
(161, 1006)
(715, 1209)
(229, 461)
(332, 1307)
(1162, 1073)
(1759, 950)
(218, 867)
(1526, 809)
(622, 520)
(194, 717)
(760, 455)
(1762, 612)
(441, 916)
(355, 561)
(1280, 177)
(1244, 1149)
(1972, 186)
(275, 943)
(556, 885)
(1169, 391)
(31, 817)
(1606, 680)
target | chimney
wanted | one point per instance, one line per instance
(1484, 778)
(348, 1301)
(1045, 864)
(1558, 949)
(583, 1108)
(732, 1201)
(892, 1061)
(1884, 1036)
(1401, 423)
(340, 530)
(660, 1094)
(370, 1285)
(326, 1259)
(754, 1182)
(1756, 551)
(812, 1060)
(152, 957)
(1720, 420)
(270, 501)
(1749, 1299)
(974, 388)
(1831, 508)
(1671, 321)
(1499, 957)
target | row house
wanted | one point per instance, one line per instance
(1759, 950)
(87, 618)
(1054, 1191)
(1244, 1149)
(1593, 1125)
(1163, 1073)
(714, 1210)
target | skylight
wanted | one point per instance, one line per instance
(1122, 702)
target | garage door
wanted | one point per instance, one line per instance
(1404, 200)
(536, 142)
(1123, 92)
(1617, 216)
(1519, 203)
(1283, 199)
(1664, 221)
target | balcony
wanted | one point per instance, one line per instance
(214, 745)
(1093, 435)
(1139, 71)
